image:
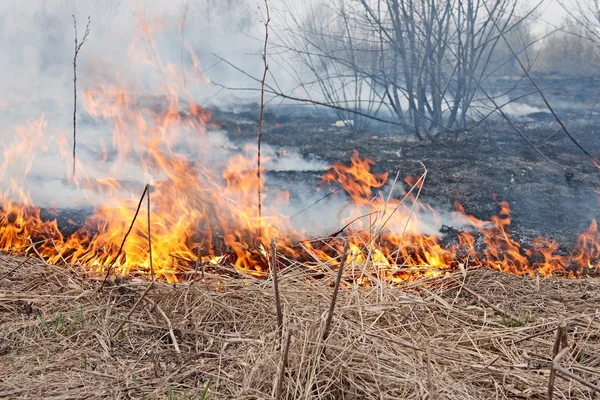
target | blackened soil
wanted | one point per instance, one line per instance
(555, 198)
(68, 220)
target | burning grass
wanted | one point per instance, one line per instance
(205, 207)
(469, 334)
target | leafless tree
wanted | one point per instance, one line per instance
(421, 61)
(575, 50)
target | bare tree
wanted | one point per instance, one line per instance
(575, 50)
(421, 62)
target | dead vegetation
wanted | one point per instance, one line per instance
(471, 334)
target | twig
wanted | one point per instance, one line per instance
(170, 325)
(135, 306)
(16, 268)
(114, 260)
(559, 351)
(339, 231)
(558, 342)
(331, 192)
(432, 391)
(534, 335)
(196, 264)
(149, 232)
(282, 366)
(77, 49)
(481, 299)
(550, 108)
(150, 238)
(260, 118)
(335, 291)
(276, 289)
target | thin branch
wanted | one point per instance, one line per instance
(135, 306)
(149, 233)
(77, 49)
(260, 118)
(335, 292)
(282, 366)
(276, 289)
(114, 260)
(546, 102)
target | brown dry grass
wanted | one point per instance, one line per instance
(423, 340)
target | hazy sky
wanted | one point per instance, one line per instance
(552, 11)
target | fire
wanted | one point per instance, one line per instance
(198, 215)
(203, 205)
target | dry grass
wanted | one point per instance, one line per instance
(426, 339)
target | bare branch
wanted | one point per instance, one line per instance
(77, 49)
(260, 118)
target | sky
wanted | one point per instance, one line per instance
(552, 13)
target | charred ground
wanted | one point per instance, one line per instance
(556, 198)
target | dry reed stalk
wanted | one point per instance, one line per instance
(196, 264)
(260, 117)
(432, 390)
(559, 351)
(282, 366)
(559, 342)
(276, 289)
(335, 292)
(77, 49)
(557, 367)
(494, 307)
(170, 325)
(114, 260)
(148, 189)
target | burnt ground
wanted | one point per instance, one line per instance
(554, 198)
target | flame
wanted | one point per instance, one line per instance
(194, 209)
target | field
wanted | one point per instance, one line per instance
(472, 334)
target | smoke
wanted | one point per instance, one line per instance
(137, 42)
(149, 47)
